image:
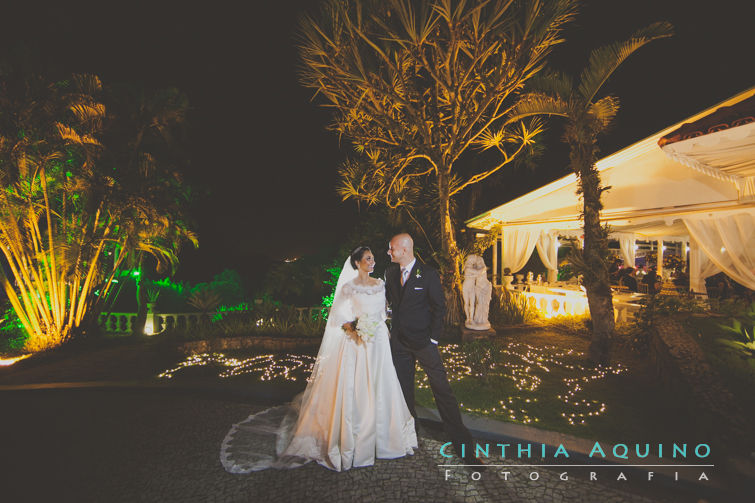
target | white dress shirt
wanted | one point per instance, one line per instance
(406, 270)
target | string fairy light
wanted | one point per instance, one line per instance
(289, 367)
(522, 364)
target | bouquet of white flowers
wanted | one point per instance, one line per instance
(367, 327)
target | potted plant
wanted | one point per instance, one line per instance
(508, 278)
(152, 324)
(152, 295)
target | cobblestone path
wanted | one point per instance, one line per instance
(154, 445)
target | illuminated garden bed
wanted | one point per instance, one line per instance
(540, 385)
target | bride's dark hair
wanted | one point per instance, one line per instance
(357, 255)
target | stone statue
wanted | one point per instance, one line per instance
(477, 291)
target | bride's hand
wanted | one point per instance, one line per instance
(350, 328)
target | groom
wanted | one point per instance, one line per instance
(414, 292)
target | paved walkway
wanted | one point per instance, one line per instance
(159, 445)
(137, 439)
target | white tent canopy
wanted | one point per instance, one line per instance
(698, 191)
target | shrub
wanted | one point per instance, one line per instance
(227, 286)
(508, 309)
(204, 300)
(741, 326)
(13, 336)
(565, 272)
(654, 307)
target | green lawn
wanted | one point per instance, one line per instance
(535, 378)
(540, 379)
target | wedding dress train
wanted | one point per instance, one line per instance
(352, 410)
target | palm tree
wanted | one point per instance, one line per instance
(148, 164)
(586, 118)
(68, 220)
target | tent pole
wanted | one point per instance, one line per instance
(494, 275)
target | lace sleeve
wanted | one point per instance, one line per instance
(385, 303)
(342, 310)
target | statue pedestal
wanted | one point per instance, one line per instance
(468, 335)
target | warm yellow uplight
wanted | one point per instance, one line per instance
(557, 302)
(4, 362)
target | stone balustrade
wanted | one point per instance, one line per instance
(117, 323)
(122, 323)
(552, 302)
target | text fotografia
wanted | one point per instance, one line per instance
(534, 475)
(621, 451)
(679, 454)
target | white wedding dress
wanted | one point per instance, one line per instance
(352, 410)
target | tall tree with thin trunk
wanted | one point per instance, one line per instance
(67, 223)
(587, 116)
(416, 84)
(146, 146)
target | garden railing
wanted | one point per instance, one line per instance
(123, 323)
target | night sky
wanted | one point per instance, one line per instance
(264, 167)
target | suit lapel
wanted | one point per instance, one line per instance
(395, 279)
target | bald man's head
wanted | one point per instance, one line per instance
(404, 240)
(401, 249)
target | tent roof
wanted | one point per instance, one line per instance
(650, 190)
(721, 144)
(723, 118)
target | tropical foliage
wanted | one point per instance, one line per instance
(508, 309)
(146, 145)
(71, 212)
(13, 336)
(415, 85)
(741, 327)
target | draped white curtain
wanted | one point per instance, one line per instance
(727, 240)
(548, 250)
(626, 245)
(518, 246)
(700, 267)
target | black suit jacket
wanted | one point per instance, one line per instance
(417, 308)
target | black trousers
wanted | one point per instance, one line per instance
(404, 359)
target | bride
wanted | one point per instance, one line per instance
(352, 410)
